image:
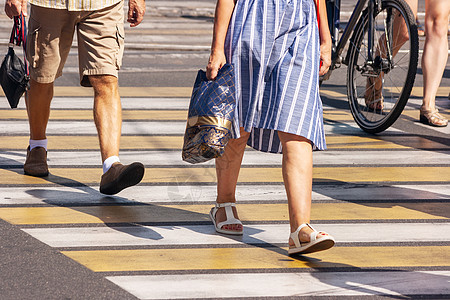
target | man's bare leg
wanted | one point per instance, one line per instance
(108, 120)
(37, 100)
(107, 114)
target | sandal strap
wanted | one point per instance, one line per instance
(231, 220)
(226, 204)
(428, 111)
(433, 116)
(294, 235)
(377, 100)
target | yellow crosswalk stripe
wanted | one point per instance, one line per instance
(416, 92)
(185, 92)
(175, 142)
(164, 115)
(247, 175)
(171, 31)
(91, 142)
(143, 115)
(163, 92)
(259, 258)
(199, 213)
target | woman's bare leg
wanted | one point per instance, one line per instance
(297, 175)
(435, 51)
(227, 170)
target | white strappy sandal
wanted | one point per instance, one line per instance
(315, 244)
(229, 221)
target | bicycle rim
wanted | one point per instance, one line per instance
(388, 82)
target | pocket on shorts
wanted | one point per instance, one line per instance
(120, 37)
(33, 43)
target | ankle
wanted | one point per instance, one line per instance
(296, 223)
(427, 108)
(225, 200)
(109, 162)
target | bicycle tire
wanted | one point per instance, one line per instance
(394, 95)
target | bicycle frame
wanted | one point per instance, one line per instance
(371, 39)
(333, 12)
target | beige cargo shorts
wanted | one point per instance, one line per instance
(100, 37)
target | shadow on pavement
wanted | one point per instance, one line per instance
(391, 284)
(424, 138)
(431, 203)
(124, 215)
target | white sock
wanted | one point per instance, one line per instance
(38, 143)
(108, 163)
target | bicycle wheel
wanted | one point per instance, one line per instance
(379, 89)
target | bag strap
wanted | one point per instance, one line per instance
(19, 37)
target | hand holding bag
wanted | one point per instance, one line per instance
(210, 116)
(14, 74)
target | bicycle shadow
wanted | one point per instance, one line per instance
(427, 139)
(382, 196)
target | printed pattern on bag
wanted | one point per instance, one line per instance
(210, 117)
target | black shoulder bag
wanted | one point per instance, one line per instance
(14, 74)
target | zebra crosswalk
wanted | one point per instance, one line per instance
(384, 198)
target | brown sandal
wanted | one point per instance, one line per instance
(432, 117)
(373, 98)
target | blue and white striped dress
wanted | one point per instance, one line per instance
(274, 46)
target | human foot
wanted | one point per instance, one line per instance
(225, 218)
(432, 117)
(307, 240)
(120, 177)
(36, 162)
(373, 96)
